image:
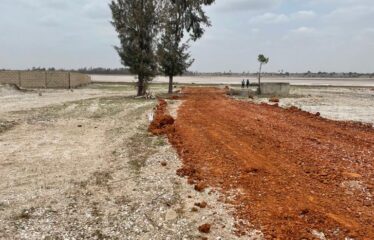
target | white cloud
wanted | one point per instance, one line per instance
(50, 21)
(351, 15)
(55, 4)
(246, 5)
(97, 10)
(303, 14)
(304, 30)
(255, 30)
(274, 18)
(366, 36)
(269, 18)
(301, 34)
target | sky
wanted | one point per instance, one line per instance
(297, 35)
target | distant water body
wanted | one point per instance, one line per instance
(359, 82)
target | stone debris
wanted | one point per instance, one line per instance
(205, 228)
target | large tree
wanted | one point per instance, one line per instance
(193, 17)
(179, 17)
(136, 22)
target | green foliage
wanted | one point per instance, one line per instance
(171, 51)
(173, 58)
(262, 59)
(193, 18)
(179, 17)
(136, 24)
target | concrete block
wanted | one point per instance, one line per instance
(275, 89)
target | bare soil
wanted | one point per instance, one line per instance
(81, 165)
(289, 173)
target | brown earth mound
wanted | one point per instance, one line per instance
(205, 228)
(162, 122)
(296, 175)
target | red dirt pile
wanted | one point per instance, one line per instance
(296, 173)
(205, 228)
(162, 123)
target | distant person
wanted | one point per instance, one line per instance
(243, 83)
(248, 83)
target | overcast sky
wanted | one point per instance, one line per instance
(297, 35)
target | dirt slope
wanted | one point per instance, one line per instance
(296, 175)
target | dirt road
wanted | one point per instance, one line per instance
(291, 174)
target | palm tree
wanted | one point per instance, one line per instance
(263, 60)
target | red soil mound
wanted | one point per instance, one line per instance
(162, 122)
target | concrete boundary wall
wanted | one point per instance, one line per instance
(44, 79)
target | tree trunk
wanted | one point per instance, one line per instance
(140, 86)
(259, 79)
(170, 84)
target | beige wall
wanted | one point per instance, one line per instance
(39, 79)
(57, 79)
(11, 77)
(33, 79)
(78, 79)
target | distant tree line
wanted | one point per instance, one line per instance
(85, 70)
(286, 74)
(105, 71)
(125, 71)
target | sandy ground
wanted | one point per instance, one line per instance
(296, 175)
(88, 169)
(368, 82)
(14, 100)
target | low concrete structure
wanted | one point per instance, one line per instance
(242, 92)
(44, 79)
(267, 89)
(275, 89)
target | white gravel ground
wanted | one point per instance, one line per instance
(88, 169)
(348, 104)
